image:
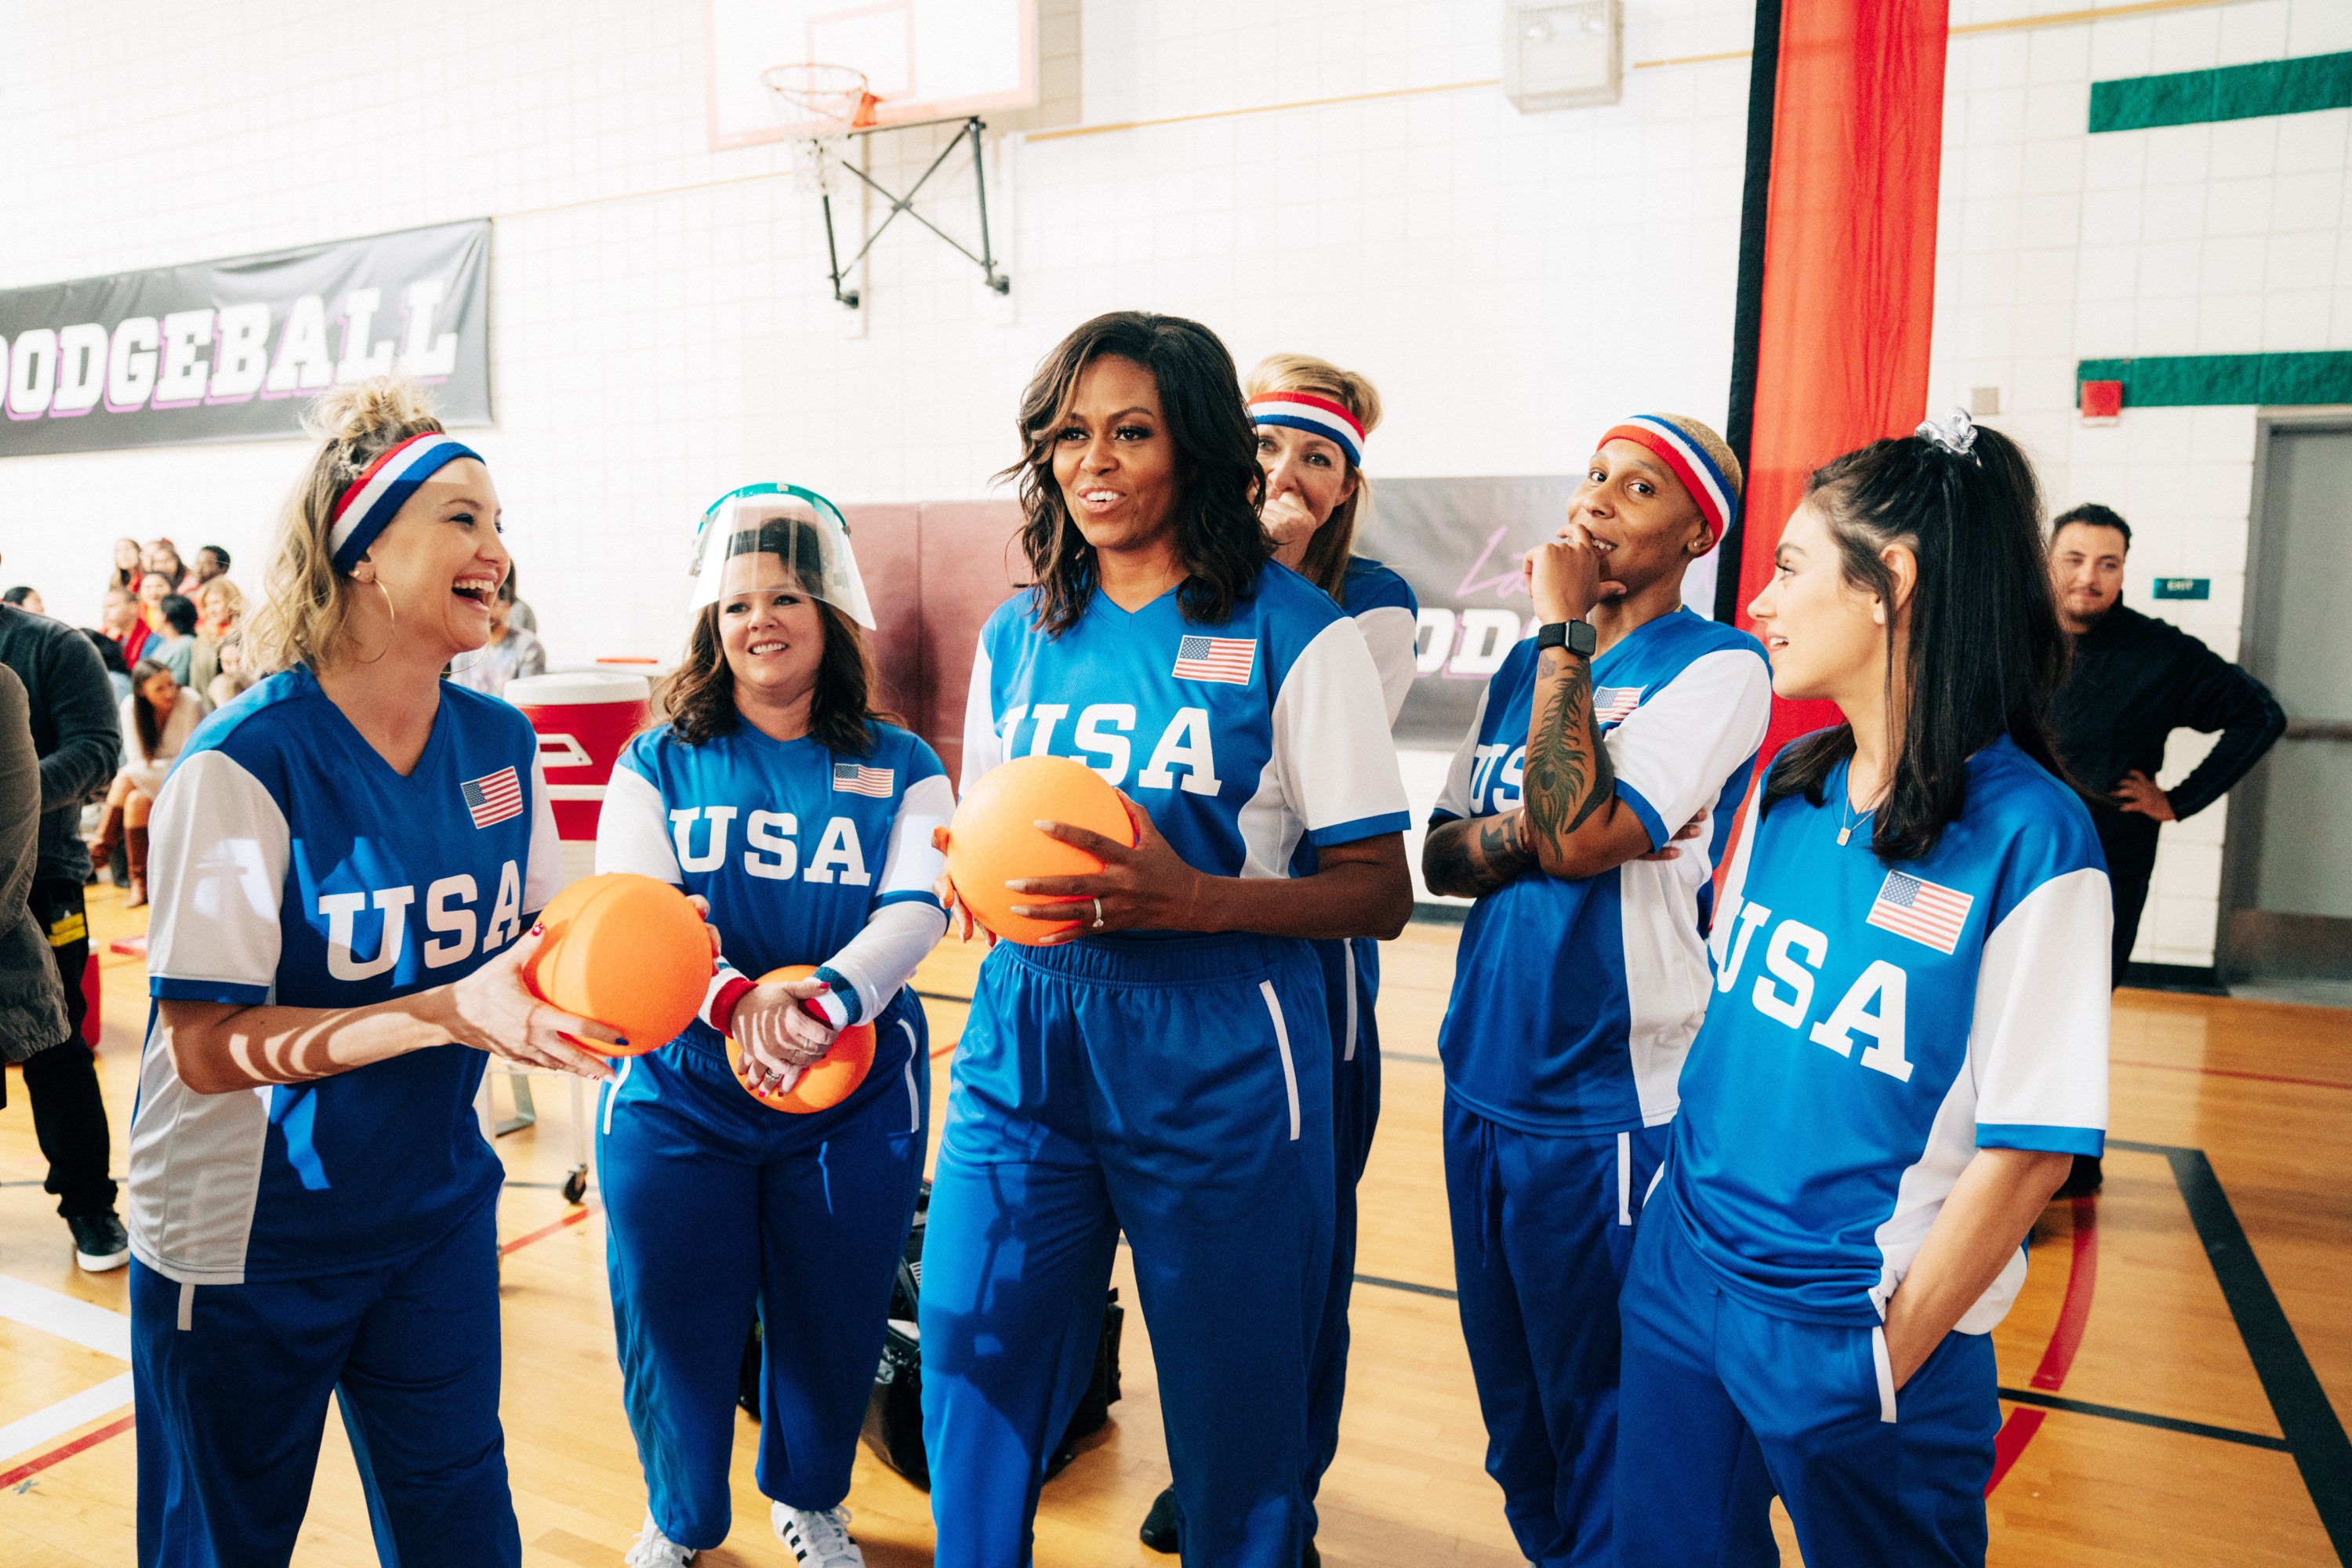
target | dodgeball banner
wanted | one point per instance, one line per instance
(1458, 544)
(230, 351)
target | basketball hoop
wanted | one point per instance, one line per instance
(820, 105)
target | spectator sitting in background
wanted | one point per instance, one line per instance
(162, 559)
(154, 589)
(212, 563)
(511, 651)
(118, 617)
(25, 599)
(234, 678)
(2133, 680)
(220, 606)
(157, 719)
(127, 569)
(176, 649)
(523, 617)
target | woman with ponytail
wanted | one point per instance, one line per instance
(345, 863)
(1906, 1048)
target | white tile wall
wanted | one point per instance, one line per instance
(2057, 246)
(1514, 283)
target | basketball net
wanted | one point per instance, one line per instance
(819, 105)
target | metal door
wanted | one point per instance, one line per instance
(2287, 882)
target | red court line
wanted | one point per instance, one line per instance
(543, 1232)
(2065, 1338)
(2016, 1432)
(2232, 1072)
(36, 1465)
(943, 1050)
(2081, 1280)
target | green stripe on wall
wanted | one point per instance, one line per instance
(2232, 92)
(2192, 381)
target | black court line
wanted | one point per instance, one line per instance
(943, 997)
(1406, 1284)
(2314, 1433)
(2142, 1418)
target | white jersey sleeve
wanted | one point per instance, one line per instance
(1674, 752)
(983, 743)
(542, 876)
(881, 958)
(2038, 1041)
(912, 864)
(216, 877)
(1331, 744)
(1454, 800)
(1391, 631)
(633, 829)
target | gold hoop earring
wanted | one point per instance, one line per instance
(389, 609)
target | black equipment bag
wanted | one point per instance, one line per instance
(894, 1412)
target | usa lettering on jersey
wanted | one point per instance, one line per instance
(1100, 742)
(772, 845)
(1793, 954)
(449, 918)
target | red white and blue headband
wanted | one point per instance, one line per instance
(1316, 415)
(1718, 502)
(371, 501)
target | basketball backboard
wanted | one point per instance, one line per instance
(925, 60)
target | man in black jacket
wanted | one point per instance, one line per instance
(2134, 680)
(77, 736)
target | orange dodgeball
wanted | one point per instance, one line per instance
(824, 1082)
(627, 951)
(994, 838)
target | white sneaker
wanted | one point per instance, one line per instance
(819, 1537)
(654, 1550)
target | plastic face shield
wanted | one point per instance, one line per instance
(801, 537)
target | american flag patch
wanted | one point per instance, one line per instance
(854, 778)
(1229, 659)
(1925, 911)
(493, 798)
(1614, 704)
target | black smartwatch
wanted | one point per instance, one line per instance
(1577, 636)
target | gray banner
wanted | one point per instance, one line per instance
(230, 351)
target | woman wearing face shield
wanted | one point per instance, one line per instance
(772, 789)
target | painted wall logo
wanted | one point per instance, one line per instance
(228, 351)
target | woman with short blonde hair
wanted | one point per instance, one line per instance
(345, 865)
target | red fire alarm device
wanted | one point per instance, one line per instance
(2102, 402)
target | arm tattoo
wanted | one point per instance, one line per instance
(1470, 859)
(1569, 771)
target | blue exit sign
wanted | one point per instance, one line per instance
(2184, 587)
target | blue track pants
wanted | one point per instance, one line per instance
(1543, 1234)
(230, 1389)
(1178, 1089)
(717, 1204)
(1351, 982)
(1711, 1383)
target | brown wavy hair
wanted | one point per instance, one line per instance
(697, 699)
(1218, 535)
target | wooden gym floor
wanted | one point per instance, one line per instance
(2177, 1361)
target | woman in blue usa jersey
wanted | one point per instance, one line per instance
(1581, 975)
(773, 791)
(346, 861)
(1167, 1072)
(1906, 1048)
(1312, 419)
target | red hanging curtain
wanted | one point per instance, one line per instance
(1848, 285)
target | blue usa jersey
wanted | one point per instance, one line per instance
(291, 865)
(1574, 1002)
(1245, 740)
(1875, 1025)
(794, 845)
(1382, 606)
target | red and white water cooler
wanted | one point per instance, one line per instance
(583, 717)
